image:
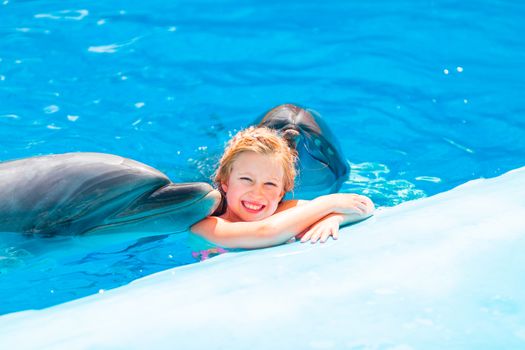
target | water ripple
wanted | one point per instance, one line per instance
(112, 48)
(74, 15)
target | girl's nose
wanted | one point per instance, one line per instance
(258, 190)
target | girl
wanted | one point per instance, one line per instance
(255, 171)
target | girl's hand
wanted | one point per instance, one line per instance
(349, 203)
(322, 229)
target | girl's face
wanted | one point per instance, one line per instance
(255, 187)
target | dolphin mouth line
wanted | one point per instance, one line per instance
(307, 147)
(312, 154)
(131, 220)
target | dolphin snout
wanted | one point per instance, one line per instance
(167, 198)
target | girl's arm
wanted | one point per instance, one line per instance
(287, 222)
(342, 219)
(330, 224)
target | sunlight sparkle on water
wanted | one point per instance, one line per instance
(75, 15)
(10, 116)
(429, 179)
(51, 109)
(112, 48)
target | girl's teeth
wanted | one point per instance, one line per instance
(252, 206)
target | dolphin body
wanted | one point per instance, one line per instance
(322, 167)
(96, 193)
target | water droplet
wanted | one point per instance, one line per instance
(445, 71)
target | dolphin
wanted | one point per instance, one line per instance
(85, 194)
(322, 167)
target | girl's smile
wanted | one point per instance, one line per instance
(254, 188)
(252, 206)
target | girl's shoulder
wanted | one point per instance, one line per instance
(221, 208)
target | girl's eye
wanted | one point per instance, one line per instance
(246, 179)
(271, 184)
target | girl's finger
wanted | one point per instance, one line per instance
(335, 233)
(326, 234)
(307, 236)
(316, 236)
(368, 202)
(361, 208)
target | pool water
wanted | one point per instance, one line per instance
(422, 95)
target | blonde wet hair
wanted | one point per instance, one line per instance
(260, 140)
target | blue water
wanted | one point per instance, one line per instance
(422, 95)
